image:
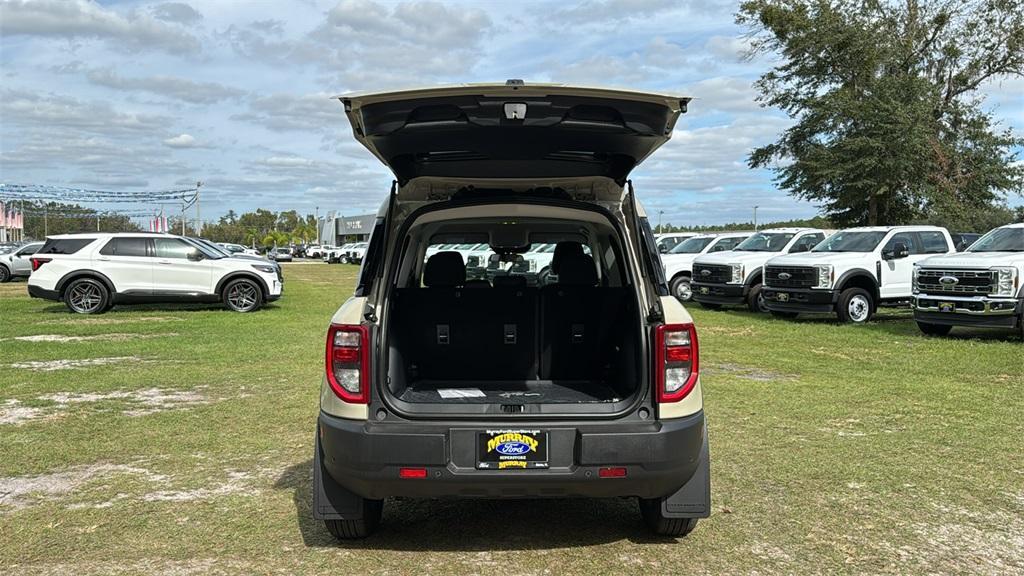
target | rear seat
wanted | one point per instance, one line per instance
(577, 322)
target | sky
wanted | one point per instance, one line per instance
(135, 95)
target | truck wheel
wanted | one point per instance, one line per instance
(349, 529)
(934, 329)
(681, 288)
(785, 315)
(755, 300)
(855, 305)
(242, 295)
(86, 296)
(5, 274)
(657, 522)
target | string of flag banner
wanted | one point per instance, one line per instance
(47, 193)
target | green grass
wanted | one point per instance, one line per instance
(834, 449)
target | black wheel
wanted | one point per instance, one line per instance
(786, 315)
(755, 300)
(656, 521)
(349, 529)
(86, 296)
(680, 288)
(5, 274)
(242, 295)
(934, 329)
(710, 306)
(855, 306)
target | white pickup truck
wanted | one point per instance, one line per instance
(980, 287)
(734, 278)
(678, 263)
(852, 272)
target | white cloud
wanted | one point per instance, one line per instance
(68, 19)
(181, 141)
(176, 12)
(168, 86)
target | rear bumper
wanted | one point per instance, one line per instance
(365, 456)
(800, 300)
(727, 294)
(37, 292)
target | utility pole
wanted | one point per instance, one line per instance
(46, 219)
(660, 212)
(755, 218)
(316, 222)
(199, 222)
(97, 220)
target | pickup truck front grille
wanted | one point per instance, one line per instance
(790, 276)
(956, 282)
(712, 273)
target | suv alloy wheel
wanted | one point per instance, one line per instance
(243, 295)
(5, 274)
(87, 296)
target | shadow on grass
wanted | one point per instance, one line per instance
(477, 525)
(156, 307)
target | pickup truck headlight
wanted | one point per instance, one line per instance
(824, 275)
(913, 279)
(737, 273)
(1006, 281)
(266, 268)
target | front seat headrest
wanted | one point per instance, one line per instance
(563, 250)
(444, 269)
(578, 270)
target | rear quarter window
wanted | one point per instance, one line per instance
(65, 246)
(126, 247)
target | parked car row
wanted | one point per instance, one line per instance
(91, 273)
(792, 271)
(351, 253)
(15, 263)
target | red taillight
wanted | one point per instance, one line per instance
(348, 362)
(37, 263)
(676, 361)
(412, 472)
(616, 472)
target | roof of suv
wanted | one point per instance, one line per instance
(888, 228)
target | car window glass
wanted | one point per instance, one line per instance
(172, 248)
(904, 239)
(933, 242)
(29, 250)
(125, 247)
(806, 242)
(726, 244)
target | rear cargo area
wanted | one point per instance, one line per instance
(571, 342)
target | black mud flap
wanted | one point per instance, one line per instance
(693, 500)
(331, 501)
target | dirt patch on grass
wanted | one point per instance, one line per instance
(728, 331)
(975, 541)
(745, 372)
(17, 492)
(116, 337)
(107, 321)
(142, 402)
(192, 567)
(53, 365)
(13, 412)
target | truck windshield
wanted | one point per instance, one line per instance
(692, 245)
(765, 242)
(1000, 240)
(851, 242)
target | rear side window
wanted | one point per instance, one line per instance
(652, 261)
(726, 244)
(65, 246)
(933, 242)
(902, 238)
(807, 242)
(372, 259)
(126, 247)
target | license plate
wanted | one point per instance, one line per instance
(512, 449)
(704, 290)
(947, 307)
(782, 297)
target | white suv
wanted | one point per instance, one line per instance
(735, 277)
(852, 272)
(678, 263)
(92, 272)
(17, 262)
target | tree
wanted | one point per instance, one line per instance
(888, 123)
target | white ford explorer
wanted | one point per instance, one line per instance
(983, 286)
(501, 385)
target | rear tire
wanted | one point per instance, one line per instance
(86, 296)
(934, 329)
(5, 274)
(350, 529)
(755, 300)
(784, 315)
(680, 288)
(650, 509)
(242, 295)
(855, 306)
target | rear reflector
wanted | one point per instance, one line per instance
(412, 472)
(616, 472)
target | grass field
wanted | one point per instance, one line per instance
(178, 440)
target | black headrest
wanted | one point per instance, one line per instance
(577, 270)
(510, 281)
(444, 269)
(564, 250)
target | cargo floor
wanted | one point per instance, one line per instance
(509, 392)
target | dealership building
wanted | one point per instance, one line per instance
(337, 229)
